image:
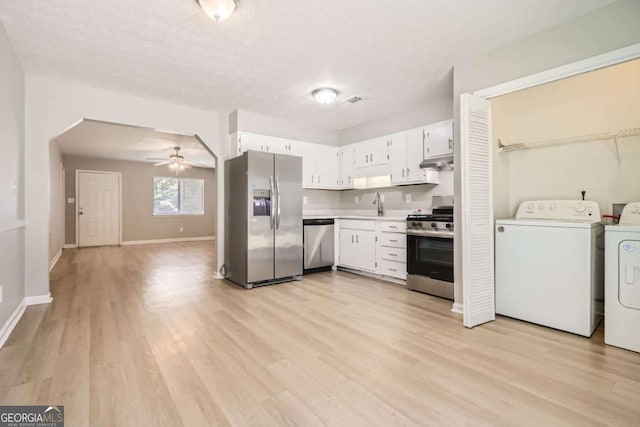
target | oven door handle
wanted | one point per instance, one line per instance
(429, 233)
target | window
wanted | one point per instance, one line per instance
(178, 196)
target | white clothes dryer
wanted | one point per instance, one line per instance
(622, 280)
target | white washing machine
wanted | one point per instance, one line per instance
(622, 280)
(550, 265)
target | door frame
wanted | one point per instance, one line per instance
(76, 210)
(607, 59)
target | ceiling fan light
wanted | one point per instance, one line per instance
(173, 166)
(181, 167)
(325, 95)
(219, 9)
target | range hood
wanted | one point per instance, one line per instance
(438, 163)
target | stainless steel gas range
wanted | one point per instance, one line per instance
(430, 252)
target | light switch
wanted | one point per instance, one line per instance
(304, 200)
(13, 187)
(71, 200)
(408, 198)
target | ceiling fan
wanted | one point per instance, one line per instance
(177, 162)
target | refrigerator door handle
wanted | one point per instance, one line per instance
(271, 211)
(277, 204)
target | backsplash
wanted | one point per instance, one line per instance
(395, 197)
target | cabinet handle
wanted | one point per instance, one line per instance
(318, 179)
(371, 157)
(403, 172)
(394, 241)
(408, 172)
(393, 255)
(450, 143)
(393, 226)
(393, 269)
(357, 238)
(312, 179)
(352, 238)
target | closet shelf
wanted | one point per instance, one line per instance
(603, 136)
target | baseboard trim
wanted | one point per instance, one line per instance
(55, 259)
(69, 246)
(38, 299)
(11, 322)
(457, 308)
(180, 239)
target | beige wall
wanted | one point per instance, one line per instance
(138, 222)
(595, 102)
(56, 217)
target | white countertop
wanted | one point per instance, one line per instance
(347, 214)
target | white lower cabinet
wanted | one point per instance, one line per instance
(358, 244)
(373, 246)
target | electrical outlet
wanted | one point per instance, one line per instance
(357, 199)
(71, 200)
(1, 293)
(181, 229)
(408, 198)
(304, 200)
(13, 187)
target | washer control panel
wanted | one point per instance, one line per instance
(630, 214)
(573, 210)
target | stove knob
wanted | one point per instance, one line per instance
(415, 224)
(434, 225)
(448, 225)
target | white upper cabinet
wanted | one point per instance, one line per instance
(277, 145)
(345, 154)
(320, 166)
(374, 152)
(415, 155)
(250, 141)
(407, 152)
(439, 139)
(398, 158)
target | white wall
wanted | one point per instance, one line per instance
(432, 110)
(261, 124)
(606, 29)
(52, 106)
(56, 217)
(11, 173)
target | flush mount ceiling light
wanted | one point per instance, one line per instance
(218, 9)
(325, 95)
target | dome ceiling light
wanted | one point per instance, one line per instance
(219, 9)
(325, 95)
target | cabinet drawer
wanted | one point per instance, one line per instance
(393, 254)
(393, 269)
(357, 224)
(393, 226)
(395, 240)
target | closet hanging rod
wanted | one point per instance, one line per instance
(571, 140)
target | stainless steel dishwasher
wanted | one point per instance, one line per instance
(318, 245)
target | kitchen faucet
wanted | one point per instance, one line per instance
(377, 200)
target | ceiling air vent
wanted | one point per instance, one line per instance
(353, 99)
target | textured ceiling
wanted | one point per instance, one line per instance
(101, 140)
(271, 53)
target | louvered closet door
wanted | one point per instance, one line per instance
(477, 208)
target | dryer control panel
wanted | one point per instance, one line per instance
(630, 214)
(572, 210)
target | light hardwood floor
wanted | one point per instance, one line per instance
(142, 335)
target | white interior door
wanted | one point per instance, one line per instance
(477, 207)
(98, 208)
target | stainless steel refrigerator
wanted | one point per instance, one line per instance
(263, 199)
